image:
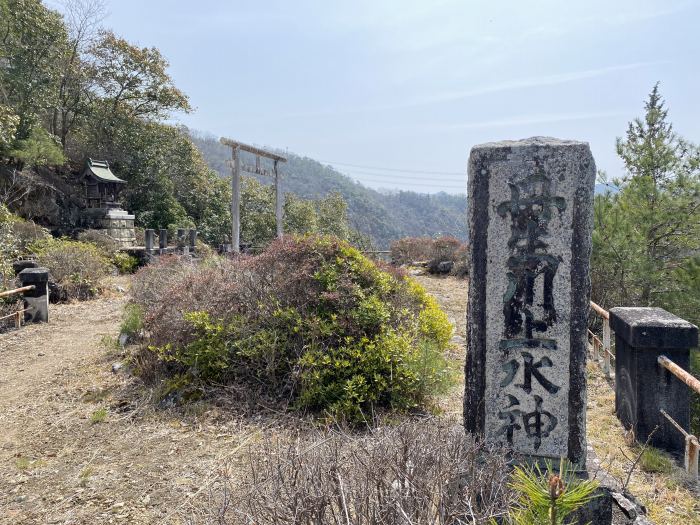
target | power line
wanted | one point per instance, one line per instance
(425, 172)
(412, 184)
(401, 177)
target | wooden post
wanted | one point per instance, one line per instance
(692, 452)
(236, 200)
(238, 167)
(606, 347)
(278, 202)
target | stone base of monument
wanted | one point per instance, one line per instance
(612, 505)
(114, 222)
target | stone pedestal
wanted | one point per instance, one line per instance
(36, 301)
(642, 386)
(530, 220)
(115, 222)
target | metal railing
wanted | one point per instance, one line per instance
(692, 445)
(603, 345)
(17, 314)
(378, 255)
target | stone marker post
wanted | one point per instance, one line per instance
(18, 266)
(642, 386)
(193, 240)
(180, 240)
(163, 241)
(149, 237)
(36, 301)
(530, 222)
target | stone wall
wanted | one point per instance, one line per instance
(116, 223)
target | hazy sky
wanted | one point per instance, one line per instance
(413, 85)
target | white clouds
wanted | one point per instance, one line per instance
(526, 120)
(486, 89)
(538, 81)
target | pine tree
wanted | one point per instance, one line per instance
(649, 231)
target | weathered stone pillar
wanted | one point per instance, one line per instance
(18, 266)
(37, 300)
(530, 220)
(149, 237)
(163, 241)
(180, 240)
(642, 386)
(193, 240)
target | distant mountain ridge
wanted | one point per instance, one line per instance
(385, 216)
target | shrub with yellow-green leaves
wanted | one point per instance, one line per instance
(15, 235)
(76, 268)
(9, 246)
(310, 321)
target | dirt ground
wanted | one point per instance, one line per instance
(77, 448)
(83, 444)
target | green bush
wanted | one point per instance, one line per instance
(16, 234)
(124, 262)
(100, 239)
(655, 460)
(9, 246)
(132, 323)
(76, 268)
(310, 319)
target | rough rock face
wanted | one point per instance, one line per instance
(530, 220)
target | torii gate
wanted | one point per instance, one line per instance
(236, 168)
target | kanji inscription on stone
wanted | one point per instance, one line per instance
(530, 207)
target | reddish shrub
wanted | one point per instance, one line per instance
(461, 262)
(309, 320)
(411, 249)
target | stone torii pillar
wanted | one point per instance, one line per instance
(238, 166)
(530, 223)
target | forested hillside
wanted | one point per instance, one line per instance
(382, 215)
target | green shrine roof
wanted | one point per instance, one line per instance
(100, 170)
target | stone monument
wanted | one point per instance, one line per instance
(530, 220)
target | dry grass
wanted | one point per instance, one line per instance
(451, 293)
(424, 472)
(670, 497)
(145, 464)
